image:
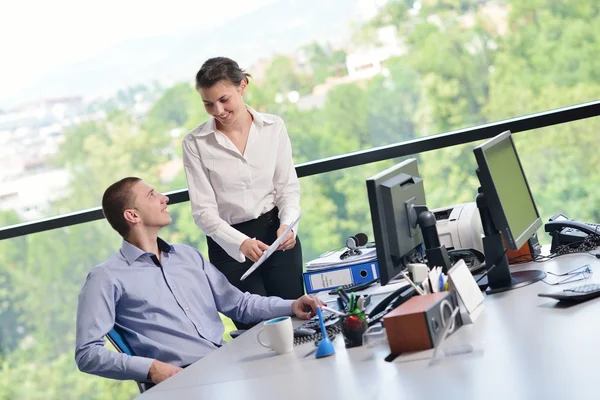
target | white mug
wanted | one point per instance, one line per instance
(280, 333)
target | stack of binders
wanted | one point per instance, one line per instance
(332, 269)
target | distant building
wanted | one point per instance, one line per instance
(366, 62)
(31, 195)
(362, 64)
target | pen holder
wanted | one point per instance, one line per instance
(353, 328)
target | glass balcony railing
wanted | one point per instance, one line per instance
(42, 272)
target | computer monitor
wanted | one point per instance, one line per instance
(506, 205)
(390, 192)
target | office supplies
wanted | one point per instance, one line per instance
(271, 249)
(353, 328)
(467, 290)
(507, 209)
(418, 271)
(575, 294)
(360, 304)
(325, 346)
(356, 287)
(327, 279)
(417, 288)
(375, 336)
(439, 343)
(417, 323)
(333, 311)
(331, 259)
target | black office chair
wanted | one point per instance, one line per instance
(236, 333)
(116, 338)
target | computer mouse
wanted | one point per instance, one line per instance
(302, 332)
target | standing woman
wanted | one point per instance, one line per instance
(243, 186)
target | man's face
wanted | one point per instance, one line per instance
(149, 207)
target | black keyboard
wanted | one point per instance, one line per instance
(331, 330)
(355, 287)
(332, 327)
(576, 294)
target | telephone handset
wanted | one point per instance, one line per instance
(565, 231)
(390, 302)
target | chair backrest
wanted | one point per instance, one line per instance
(118, 340)
(115, 336)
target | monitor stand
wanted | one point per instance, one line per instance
(499, 276)
(435, 253)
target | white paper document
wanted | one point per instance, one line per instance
(332, 259)
(271, 249)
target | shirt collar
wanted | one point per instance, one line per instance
(260, 120)
(132, 252)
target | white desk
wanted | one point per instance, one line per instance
(532, 348)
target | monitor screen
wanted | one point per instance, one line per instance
(390, 193)
(506, 190)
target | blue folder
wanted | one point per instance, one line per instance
(325, 279)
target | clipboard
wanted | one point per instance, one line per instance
(271, 249)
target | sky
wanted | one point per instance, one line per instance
(37, 36)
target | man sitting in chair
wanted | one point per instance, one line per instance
(165, 298)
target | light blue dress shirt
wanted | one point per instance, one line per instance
(167, 310)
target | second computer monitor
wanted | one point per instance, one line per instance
(391, 193)
(506, 189)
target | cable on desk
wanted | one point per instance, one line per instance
(496, 262)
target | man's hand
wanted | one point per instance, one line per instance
(290, 239)
(306, 306)
(159, 371)
(253, 249)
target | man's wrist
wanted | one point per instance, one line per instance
(149, 376)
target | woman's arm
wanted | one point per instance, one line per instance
(204, 204)
(285, 180)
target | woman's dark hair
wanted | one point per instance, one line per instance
(218, 69)
(117, 198)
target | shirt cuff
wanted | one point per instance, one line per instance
(139, 367)
(230, 241)
(287, 217)
(283, 308)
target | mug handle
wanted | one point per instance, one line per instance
(260, 341)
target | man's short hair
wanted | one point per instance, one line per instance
(116, 199)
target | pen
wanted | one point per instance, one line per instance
(441, 282)
(418, 289)
(360, 304)
(340, 303)
(333, 310)
(343, 297)
(429, 280)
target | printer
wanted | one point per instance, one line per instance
(459, 226)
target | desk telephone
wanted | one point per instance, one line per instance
(565, 231)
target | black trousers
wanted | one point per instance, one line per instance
(280, 275)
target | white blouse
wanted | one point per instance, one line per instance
(227, 187)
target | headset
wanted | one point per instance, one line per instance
(353, 243)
